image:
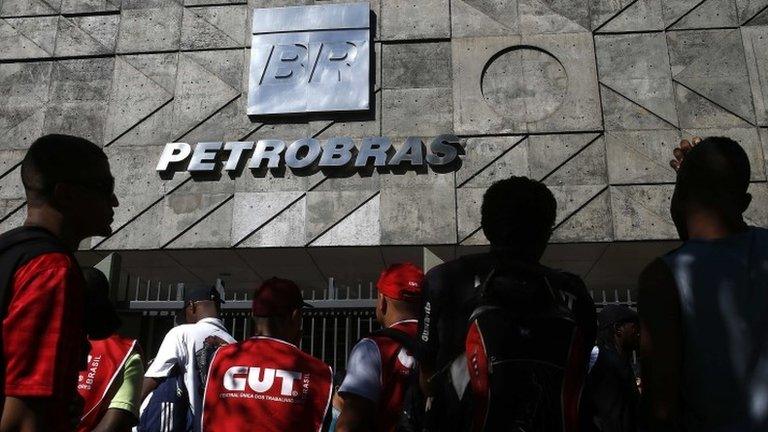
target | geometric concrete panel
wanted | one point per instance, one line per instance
(154, 130)
(641, 156)
(225, 64)
(637, 67)
(360, 228)
(149, 26)
(724, 82)
(603, 11)
(284, 230)
(11, 187)
(709, 14)
(469, 20)
(757, 213)
(756, 51)
(188, 205)
(414, 19)
(89, 6)
(325, 209)
(213, 27)
(160, 68)
(416, 65)
(79, 97)
(142, 233)
(199, 93)
(9, 159)
(416, 112)
(674, 10)
(750, 9)
(685, 47)
(134, 97)
(468, 202)
(252, 210)
(212, 232)
(620, 113)
(25, 38)
(529, 83)
(764, 139)
(84, 36)
(490, 159)
(418, 216)
(592, 223)
(572, 198)
(567, 159)
(368, 124)
(231, 123)
(642, 15)
(578, 11)
(749, 140)
(8, 207)
(642, 212)
(696, 111)
(537, 18)
(29, 7)
(14, 219)
(24, 87)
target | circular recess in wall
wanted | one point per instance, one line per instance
(524, 83)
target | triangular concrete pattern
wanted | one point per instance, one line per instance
(605, 11)
(587, 167)
(642, 15)
(28, 130)
(538, 18)
(547, 153)
(217, 16)
(287, 229)
(199, 94)
(759, 19)
(325, 209)
(102, 28)
(637, 217)
(160, 68)
(477, 238)
(482, 153)
(32, 40)
(469, 21)
(74, 41)
(571, 198)
(620, 113)
(503, 12)
(710, 14)
(696, 111)
(252, 210)
(226, 64)
(212, 231)
(592, 223)
(134, 97)
(360, 228)
(674, 10)
(721, 76)
(29, 7)
(575, 10)
(214, 37)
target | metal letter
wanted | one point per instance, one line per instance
(236, 149)
(373, 147)
(288, 378)
(411, 151)
(267, 149)
(337, 151)
(286, 65)
(261, 385)
(173, 152)
(292, 154)
(334, 59)
(204, 155)
(443, 150)
(233, 383)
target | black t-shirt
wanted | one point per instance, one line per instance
(450, 295)
(612, 392)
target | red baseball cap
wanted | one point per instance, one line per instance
(277, 297)
(402, 282)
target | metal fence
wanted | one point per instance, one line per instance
(341, 315)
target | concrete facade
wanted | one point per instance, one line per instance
(589, 96)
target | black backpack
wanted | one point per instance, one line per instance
(412, 414)
(523, 352)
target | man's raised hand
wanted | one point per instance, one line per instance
(681, 151)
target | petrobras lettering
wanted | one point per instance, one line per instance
(310, 153)
(260, 380)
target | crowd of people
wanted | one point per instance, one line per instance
(488, 342)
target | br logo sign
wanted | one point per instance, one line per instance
(310, 59)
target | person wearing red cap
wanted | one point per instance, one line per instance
(267, 383)
(380, 368)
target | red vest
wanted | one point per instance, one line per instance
(397, 366)
(266, 384)
(105, 361)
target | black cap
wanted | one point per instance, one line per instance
(201, 293)
(614, 314)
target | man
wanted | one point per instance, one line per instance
(188, 348)
(380, 367)
(703, 307)
(70, 198)
(612, 392)
(267, 383)
(111, 383)
(517, 217)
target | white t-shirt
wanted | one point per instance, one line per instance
(179, 348)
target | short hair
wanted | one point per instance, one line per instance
(518, 211)
(715, 173)
(54, 159)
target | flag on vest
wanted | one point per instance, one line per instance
(266, 384)
(105, 362)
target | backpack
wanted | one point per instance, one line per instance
(522, 347)
(412, 413)
(167, 409)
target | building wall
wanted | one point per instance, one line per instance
(589, 96)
